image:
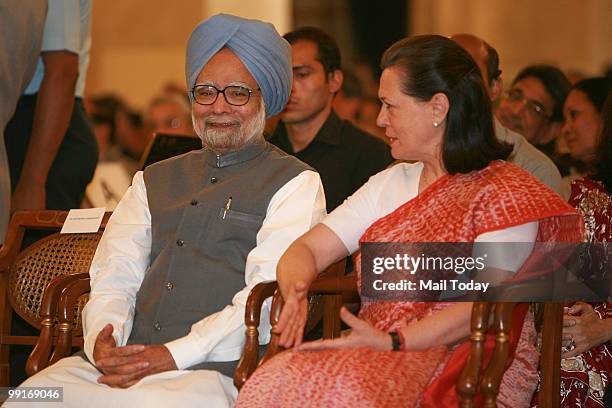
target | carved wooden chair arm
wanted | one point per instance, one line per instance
(335, 289)
(54, 299)
(66, 317)
(492, 375)
(331, 283)
(252, 318)
(468, 384)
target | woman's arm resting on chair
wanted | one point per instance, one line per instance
(297, 268)
(442, 328)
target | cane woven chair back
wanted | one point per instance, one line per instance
(33, 269)
(25, 273)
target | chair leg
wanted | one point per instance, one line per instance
(5, 372)
(5, 329)
(550, 358)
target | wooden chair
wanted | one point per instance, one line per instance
(64, 298)
(472, 382)
(24, 274)
(331, 285)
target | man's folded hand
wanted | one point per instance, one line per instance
(124, 366)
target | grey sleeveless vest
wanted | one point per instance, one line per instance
(206, 210)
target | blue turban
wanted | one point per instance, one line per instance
(261, 49)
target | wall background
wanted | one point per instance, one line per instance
(139, 45)
(571, 34)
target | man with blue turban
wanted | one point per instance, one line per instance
(193, 235)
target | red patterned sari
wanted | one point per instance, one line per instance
(456, 208)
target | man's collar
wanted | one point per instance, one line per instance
(245, 154)
(329, 132)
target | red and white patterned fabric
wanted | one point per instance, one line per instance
(456, 208)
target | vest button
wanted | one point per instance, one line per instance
(157, 326)
(169, 285)
(213, 180)
(180, 242)
(194, 202)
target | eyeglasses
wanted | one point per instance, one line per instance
(234, 94)
(516, 95)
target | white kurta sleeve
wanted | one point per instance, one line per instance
(293, 210)
(118, 268)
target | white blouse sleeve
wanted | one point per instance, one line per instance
(507, 248)
(382, 194)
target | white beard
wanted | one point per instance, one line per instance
(235, 137)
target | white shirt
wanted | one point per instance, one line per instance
(123, 256)
(388, 190)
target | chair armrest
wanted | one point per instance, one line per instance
(337, 285)
(50, 300)
(252, 317)
(39, 358)
(332, 286)
(66, 317)
(492, 376)
(331, 282)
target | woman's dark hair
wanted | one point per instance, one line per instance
(595, 89)
(431, 64)
(603, 166)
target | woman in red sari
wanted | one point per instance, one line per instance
(436, 113)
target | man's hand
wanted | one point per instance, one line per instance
(293, 317)
(125, 366)
(582, 330)
(363, 334)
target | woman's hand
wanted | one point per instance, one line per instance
(582, 330)
(297, 268)
(363, 334)
(293, 317)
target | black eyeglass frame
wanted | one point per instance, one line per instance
(221, 91)
(533, 106)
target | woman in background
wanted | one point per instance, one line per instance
(583, 123)
(586, 366)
